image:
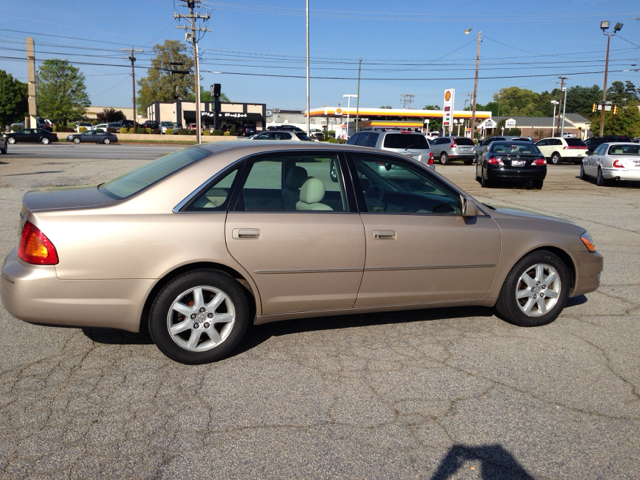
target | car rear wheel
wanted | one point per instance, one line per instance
(582, 175)
(468, 162)
(485, 182)
(4, 150)
(536, 290)
(555, 158)
(106, 141)
(444, 158)
(538, 184)
(76, 141)
(44, 140)
(11, 140)
(600, 180)
(199, 317)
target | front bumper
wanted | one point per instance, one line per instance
(34, 294)
(589, 266)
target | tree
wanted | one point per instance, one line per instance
(14, 103)
(160, 84)
(514, 101)
(62, 95)
(386, 106)
(431, 107)
(109, 115)
(581, 99)
(205, 96)
(626, 122)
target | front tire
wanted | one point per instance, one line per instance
(199, 317)
(11, 140)
(536, 290)
(555, 158)
(444, 158)
(45, 140)
(106, 141)
(582, 174)
(76, 141)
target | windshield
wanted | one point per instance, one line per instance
(404, 140)
(137, 180)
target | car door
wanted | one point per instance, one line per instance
(419, 247)
(305, 255)
(543, 146)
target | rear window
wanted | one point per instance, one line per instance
(464, 141)
(575, 142)
(509, 148)
(624, 150)
(405, 140)
(137, 180)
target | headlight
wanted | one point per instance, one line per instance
(588, 242)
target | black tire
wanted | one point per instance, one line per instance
(212, 340)
(45, 140)
(544, 295)
(468, 162)
(76, 141)
(485, 182)
(4, 150)
(106, 141)
(600, 180)
(538, 184)
(444, 158)
(582, 174)
(11, 140)
(556, 159)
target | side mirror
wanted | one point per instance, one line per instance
(469, 208)
(333, 171)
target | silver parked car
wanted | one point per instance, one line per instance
(447, 149)
(612, 162)
(264, 234)
(412, 144)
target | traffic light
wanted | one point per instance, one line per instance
(615, 109)
(594, 107)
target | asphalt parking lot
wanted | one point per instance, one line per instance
(436, 394)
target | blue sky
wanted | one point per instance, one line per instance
(258, 46)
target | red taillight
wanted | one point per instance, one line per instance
(430, 162)
(495, 161)
(453, 144)
(576, 146)
(618, 164)
(539, 162)
(35, 247)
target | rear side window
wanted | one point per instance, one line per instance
(404, 140)
(464, 141)
(353, 139)
(575, 142)
(137, 180)
(367, 139)
(303, 136)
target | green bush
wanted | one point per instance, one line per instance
(142, 130)
(112, 130)
(192, 132)
(206, 133)
(227, 133)
(168, 131)
(183, 131)
(155, 131)
(232, 130)
(339, 140)
(216, 132)
(16, 128)
(132, 130)
(124, 130)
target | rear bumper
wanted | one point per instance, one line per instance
(35, 294)
(516, 175)
(621, 173)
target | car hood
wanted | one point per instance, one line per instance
(62, 198)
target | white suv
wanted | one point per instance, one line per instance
(558, 149)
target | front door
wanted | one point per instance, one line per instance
(293, 229)
(420, 249)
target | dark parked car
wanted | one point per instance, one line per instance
(33, 135)
(93, 136)
(595, 142)
(515, 161)
(153, 125)
(485, 144)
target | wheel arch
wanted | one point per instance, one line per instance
(252, 298)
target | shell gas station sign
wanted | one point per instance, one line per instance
(447, 113)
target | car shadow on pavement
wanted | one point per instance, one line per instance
(496, 463)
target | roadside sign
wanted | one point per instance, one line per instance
(447, 115)
(511, 123)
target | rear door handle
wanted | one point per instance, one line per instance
(240, 233)
(384, 235)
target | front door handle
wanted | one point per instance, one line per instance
(240, 233)
(384, 235)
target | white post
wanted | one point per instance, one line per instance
(564, 110)
(553, 127)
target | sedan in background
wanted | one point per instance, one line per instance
(515, 161)
(93, 136)
(31, 135)
(480, 149)
(283, 135)
(273, 237)
(612, 162)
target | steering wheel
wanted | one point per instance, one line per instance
(373, 196)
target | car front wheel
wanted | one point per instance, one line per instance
(199, 317)
(44, 140)
(76, 141)
(536, 290)
(582, 175)
(106, 141)
(444, 158)
(11, 140)
(555, 158)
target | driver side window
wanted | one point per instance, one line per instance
(394, 186)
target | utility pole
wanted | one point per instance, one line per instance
(191, 36)
(133, 78)
(562, 93)
(407, 97)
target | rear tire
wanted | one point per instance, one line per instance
(444, 158)
(485, 182)
(600, 180)
(199, 317)
(556, 159)
(536, 290)
(582, 174)
(468, 162)
(538, 184)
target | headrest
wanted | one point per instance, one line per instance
(312, 191)
(296, 177)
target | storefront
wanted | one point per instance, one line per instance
(230, 114)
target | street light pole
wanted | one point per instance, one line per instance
(604, 25)
(553, 127)
(564, 111)
(475, 86)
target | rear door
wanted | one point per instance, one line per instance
(303, 255)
